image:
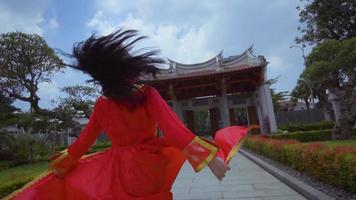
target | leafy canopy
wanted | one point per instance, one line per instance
(326, 19)
(25, 61)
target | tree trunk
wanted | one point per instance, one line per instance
(342, 131)
(307, 103)
(34, 100)
(344, 118)
(324, 102)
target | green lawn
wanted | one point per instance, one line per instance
(4, 164)
(333, 144)
(14, 178)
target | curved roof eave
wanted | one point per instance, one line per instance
(247, 53)
(192, 66)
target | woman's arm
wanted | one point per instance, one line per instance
(198, 151)
(66, 159)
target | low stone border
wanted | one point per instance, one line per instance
(299, 186)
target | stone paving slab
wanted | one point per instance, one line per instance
(245, 181)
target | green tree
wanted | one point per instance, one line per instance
(7, 115)
(80, 99)
(25, 61)
(302, 91)
(331, 65)
(34, 122)
(325, 19)
(277, 97)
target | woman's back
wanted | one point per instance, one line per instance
(124, 126)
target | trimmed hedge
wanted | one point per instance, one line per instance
(97, 146)
(305, 136)
(6, 164)
(307, 127)
(335, 166)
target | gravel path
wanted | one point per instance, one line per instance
(337, 193)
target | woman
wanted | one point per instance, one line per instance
(140, 165)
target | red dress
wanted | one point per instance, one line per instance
(139, 165)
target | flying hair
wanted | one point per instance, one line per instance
(110, 62)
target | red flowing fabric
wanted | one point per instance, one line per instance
(139, 165)
(229, 140)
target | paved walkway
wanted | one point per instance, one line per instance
(245, 181)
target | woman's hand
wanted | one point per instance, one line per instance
(58, 173)
(218, 167)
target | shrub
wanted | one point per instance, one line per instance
(23, 148)
(307, 127)
(335, 166)
(4, 164)
(305, 136)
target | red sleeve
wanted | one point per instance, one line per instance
(87, 137)
(66, 159)
(198, 151)
(167, 120)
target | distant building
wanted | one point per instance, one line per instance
(292, 106)
(226, 88)
(10, 129)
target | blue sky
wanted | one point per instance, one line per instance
(185, 30)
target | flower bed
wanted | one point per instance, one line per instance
(335, 166)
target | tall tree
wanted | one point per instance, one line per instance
(325, 19)
(7, 115)
(331, 65)
(80, 98)
(25, 61)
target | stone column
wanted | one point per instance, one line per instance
(213, 113)
(256, 102)
(265, 99)
(335, 101)
(224, 107)
(176, 105)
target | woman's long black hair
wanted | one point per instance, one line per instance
(110, 62)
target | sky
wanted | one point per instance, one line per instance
(187, 31)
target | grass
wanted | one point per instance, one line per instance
(4, 164)
(14, 178)
(333, 144)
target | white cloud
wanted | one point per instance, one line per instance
(47, 91)
(101, 24)
(276, 63)
(184, 44)
(22, 16)
(53, 23)
(193, 31)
